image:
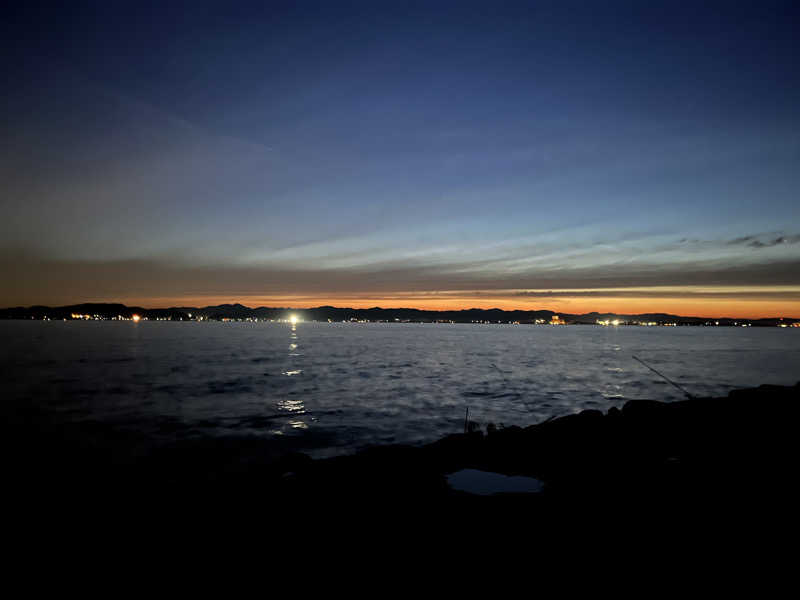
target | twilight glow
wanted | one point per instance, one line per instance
(625, 157)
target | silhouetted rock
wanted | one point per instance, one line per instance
(651, 451)
(738, 451)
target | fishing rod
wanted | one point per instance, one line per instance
(688, 395)
(502, 373)
(466, 412)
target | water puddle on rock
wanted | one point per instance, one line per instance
(486, 483)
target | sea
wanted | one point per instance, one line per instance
(327, 389)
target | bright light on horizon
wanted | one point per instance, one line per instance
(293, 319)
(742, 303)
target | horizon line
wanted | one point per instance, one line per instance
(429, 310)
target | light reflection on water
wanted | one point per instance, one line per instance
(294, 405)
(343, 386)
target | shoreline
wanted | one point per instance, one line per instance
(331, 314)
(739, 449)
(742, 444)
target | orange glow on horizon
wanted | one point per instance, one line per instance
(689, 307)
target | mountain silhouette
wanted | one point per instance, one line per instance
(325, 313)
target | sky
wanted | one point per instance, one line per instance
(574, 156)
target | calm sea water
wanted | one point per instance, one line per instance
(332, 388)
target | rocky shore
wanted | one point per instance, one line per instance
(740, 450)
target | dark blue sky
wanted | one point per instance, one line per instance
(402, 153)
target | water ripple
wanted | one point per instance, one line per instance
(343, 387)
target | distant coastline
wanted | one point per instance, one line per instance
(239, 312)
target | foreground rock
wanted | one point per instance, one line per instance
(741, 448)
(738, 451)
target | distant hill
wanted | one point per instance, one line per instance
(324, 313)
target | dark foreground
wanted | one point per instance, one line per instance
(737, 453)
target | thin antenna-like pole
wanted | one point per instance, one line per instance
(466, 420)
(688, 395)
(502, 373)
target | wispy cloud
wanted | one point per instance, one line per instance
(28, 278)
(765, 240)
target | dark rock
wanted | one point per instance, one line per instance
(738, 451)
